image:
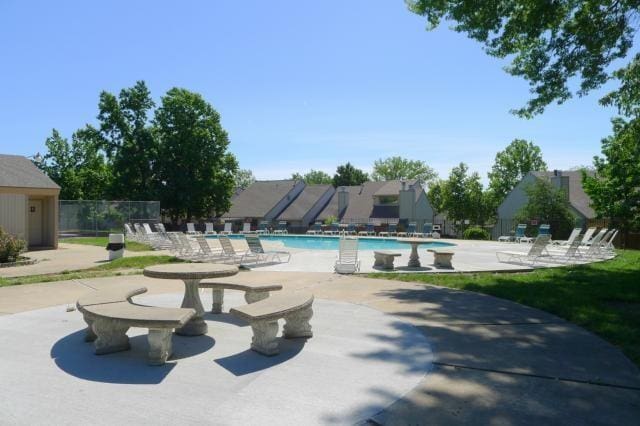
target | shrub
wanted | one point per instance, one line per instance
(10, 247)
(476, 233)
(329, 220)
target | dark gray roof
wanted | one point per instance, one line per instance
(332, 207)
(578, 199)
(361, 204)
(19, 172)
(304, 202)
(393, 187)
(259, 198)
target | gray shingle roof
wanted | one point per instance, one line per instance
(19, 172)
(304, 202)
(577, 197)
(259, 198)
(332, 207)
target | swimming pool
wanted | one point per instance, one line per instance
(331, 242)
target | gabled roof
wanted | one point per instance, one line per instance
(259, 198)
(304, 202)
(393, 187)
(332, 207)
(19, 172)
(361, 204)
(578, 199)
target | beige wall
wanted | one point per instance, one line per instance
(13, 214)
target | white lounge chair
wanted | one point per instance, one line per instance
(587, 236)
(574, 234)
(570, 255)
(255, 246)
(208, 229)
(537, 251)
(228, 228)
(315, 229)
(246, 228)
(191, 229)
(282, 228)
(229, 253)
(348, 262)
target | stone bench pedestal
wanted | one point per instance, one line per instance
(384, 259)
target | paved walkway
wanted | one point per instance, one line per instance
(496, 362)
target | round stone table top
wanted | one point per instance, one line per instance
(190, 271)
(413, 240)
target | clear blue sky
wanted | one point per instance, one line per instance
(299, 85)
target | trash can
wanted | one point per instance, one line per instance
(115, 246)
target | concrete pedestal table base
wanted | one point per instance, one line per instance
(191, 274)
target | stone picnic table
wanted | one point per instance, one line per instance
(191, 274)
(414, 259)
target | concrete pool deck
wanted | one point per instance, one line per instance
(470, 256)
(495, 362)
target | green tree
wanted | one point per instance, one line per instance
(313, 177)
(512, 164)
(244, 178)
(398, 168)
(196, 172)
(435, 195)
(550, 43)
(78, 168)
(348, 175)
(129, 142)
(547, 204)
(614, 188)
(463, 198)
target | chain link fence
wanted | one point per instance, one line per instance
(100, 217)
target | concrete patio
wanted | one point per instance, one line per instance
(494, 361)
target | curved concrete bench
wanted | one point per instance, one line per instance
(385, 258)
(109, 314)
(252, 292)
(442, 257)
(263, 316)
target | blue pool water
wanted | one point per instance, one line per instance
(331, 243)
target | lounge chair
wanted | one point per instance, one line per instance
(255, 246)
(351, 229)
(544, 229)
(191, 229)
(607, 243)
(392, 229)
(574, 234)
(347, 262)
(334, 229)
(518, 233)
(366, 230)
(315, 229)
(587, 236)
(571, 254)
(282, 228)
(537, 251)
(246, 228)
(263, 227)
(228, 228)
(229, 253)
(595, 245)
(129, 233)
(427, 230)
(160, 228)
(206, 252)
(208, 229)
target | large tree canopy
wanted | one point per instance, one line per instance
(348, 175)
(244, 178)
(615, 187)
(512, 164)
(462, 197)
(549, 42)
(398, 168)
(197, 173)
(128, 141)
(79, 168)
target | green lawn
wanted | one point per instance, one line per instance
(102, 242)
(122, 266)
(602, 297)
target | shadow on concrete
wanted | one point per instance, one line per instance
(226, 318)
(249, 361)
(76, 357)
